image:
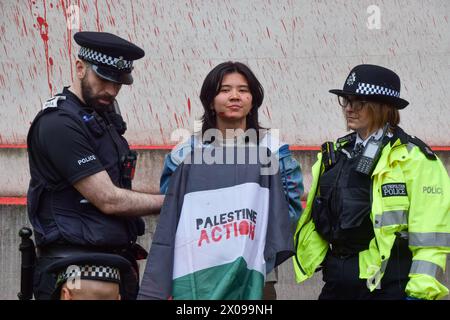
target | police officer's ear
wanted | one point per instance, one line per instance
(65, 293)
(81, 68)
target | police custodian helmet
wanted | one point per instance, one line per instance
(373, 83)
(111, 56)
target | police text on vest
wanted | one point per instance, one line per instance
(393, 189)
(86, 160)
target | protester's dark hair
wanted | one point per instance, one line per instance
(211, 88)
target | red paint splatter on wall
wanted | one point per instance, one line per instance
(97, 19)
(110, 17)
(24, 26)
(284, 26)
(134, 20)
(43, 30)
(190, 19)
(69, 38)
(176, 119)
(268, 113)
(2, 81)
(189, 106)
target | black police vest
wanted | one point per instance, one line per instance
(341, 209)
(60, 212)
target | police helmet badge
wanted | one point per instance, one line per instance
(120, 64)
(351, 79)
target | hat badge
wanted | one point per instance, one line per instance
(351, 78)
(120, 64)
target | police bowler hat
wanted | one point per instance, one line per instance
(111, 56)
(375, 83)
(90, 266)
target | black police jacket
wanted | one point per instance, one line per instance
(341, 209)
(56, 209)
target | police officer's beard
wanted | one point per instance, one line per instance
(91, 100)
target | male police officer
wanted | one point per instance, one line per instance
(94, 276)
(79, 198)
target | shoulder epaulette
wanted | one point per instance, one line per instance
(346, 139)
(426, 150)
(53, 102)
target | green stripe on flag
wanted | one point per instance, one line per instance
(231, 281)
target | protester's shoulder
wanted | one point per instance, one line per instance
(183, 149)
(271, 140)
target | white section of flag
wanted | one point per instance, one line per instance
(189, 257)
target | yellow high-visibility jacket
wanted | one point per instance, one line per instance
(421, 211)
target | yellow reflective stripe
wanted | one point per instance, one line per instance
(389, 218)
(429, 239)
(426, 267)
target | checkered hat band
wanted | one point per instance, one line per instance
(95, 56)
(368, 89)
(91, 272)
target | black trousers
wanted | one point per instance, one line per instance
(342, 282)
(44, 282)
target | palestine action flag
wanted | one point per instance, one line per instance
(222, 228)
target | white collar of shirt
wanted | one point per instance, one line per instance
(377, 134)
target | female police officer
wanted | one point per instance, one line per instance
(377, 217)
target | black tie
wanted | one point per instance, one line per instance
(357, 150)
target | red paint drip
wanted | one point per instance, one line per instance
(189, 106)
(284, 26)
(134, 22)
(110, 18)
(176, 119)
(190, 19)
(97, 19)
(268, 113)
(24, 26)
(79, 25)
(69, 38)
(43, 29)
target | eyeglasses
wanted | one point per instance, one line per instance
(356, 105)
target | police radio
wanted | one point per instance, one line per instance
(129, 165)
(371, 153)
